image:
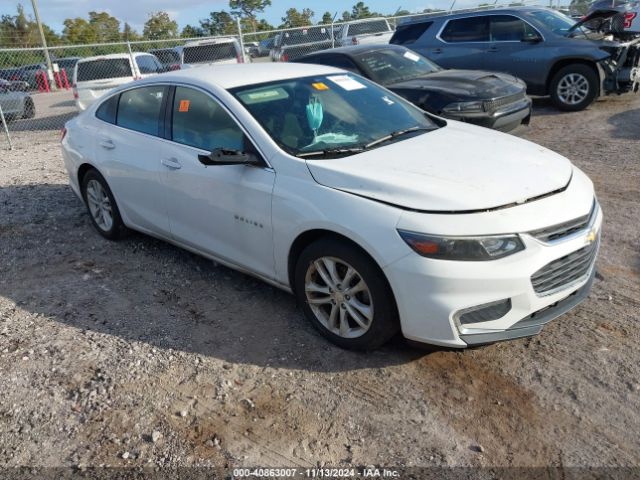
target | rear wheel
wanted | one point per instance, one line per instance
(29, 109)
(574, 87)
(345, 295)
(101, 206)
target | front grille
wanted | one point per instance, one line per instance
(498, 103)
(565, 271)
(561, 230)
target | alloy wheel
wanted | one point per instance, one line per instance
(99, 205)
(339, 297)
(573, 88)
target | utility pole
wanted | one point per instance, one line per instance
(44, 41)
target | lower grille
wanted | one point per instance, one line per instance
(565, 271)
(498, 103)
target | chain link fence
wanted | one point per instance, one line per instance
(36, 101)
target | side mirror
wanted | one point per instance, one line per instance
(531, 38)
(223, 156)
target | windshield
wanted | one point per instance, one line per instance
(393, 65)
(555, 21)
(335, 115)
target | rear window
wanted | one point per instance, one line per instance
(375, 26)
(210, 53)
(406, 34)
(472, 29)
(307, 35)
(104, 69)
(139, 109)
(167, 56)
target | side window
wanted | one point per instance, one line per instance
(406, 34)
(505, 28)
(471, 29)
(107, 111)
(199, 121)
(139, 109)
(147, 64)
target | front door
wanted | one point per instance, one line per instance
(224, 210)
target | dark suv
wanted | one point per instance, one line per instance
(552, 53)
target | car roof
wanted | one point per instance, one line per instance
(364, 20)
(353, 50)
(471, 13)
(112, 56)
(210, 41)
(244, 74)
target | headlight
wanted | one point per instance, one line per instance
(464, 107)
(462, 248)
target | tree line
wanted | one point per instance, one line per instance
(20, 29)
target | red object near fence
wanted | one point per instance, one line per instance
(56, 76)
(65, 79)
(43, 83)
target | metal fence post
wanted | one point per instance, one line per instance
(133, 60)
(244, 56)
(6, 129)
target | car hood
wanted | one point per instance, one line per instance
(464, 83)
(453, 169)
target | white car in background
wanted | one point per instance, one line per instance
(364, 32)
(378, 216)
(93, 77)
(218, 51)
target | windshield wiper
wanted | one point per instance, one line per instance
(396, 134)
(331, 151)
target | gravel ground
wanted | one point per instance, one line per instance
(137, 353)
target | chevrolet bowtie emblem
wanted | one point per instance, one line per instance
(591, 237)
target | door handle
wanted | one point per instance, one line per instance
(171, 163)
(492, 49)
(108, 144)
(436, 50)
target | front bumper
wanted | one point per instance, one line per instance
(431, 294)
(505, 119)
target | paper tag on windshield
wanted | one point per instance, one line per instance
(346, 82)
(411, 56)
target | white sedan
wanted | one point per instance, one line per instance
(379, 217)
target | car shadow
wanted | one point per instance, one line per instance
(626, 124)
(144, 290)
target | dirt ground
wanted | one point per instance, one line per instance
(137, 353)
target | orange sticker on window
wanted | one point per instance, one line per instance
(319, 86)
(184, 106)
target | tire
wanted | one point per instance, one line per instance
(99, 202)
(29, 109)
(574, 87)
(333, 313)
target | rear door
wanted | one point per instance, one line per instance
(94, 78)
(462, 43)
(129, 149)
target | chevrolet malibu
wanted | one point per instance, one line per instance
(379, 217)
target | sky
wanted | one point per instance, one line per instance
(135, 12)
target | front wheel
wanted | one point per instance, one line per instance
(574, 87)
(345, 295)
(29, 109)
